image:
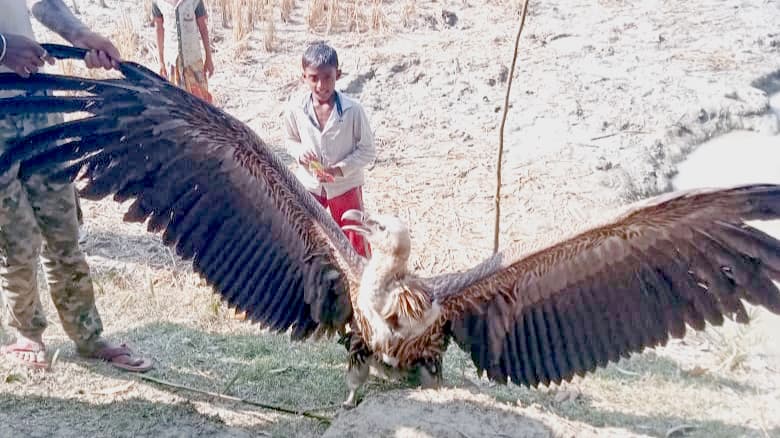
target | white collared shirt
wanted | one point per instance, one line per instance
(346, 142)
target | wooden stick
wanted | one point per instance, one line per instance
(307, 414)
(617, 133)
(496, 227)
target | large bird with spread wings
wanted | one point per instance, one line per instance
(224, 201)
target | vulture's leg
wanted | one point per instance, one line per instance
(431, 373)
(357, 374)
(357, 365)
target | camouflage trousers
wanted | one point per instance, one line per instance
(38, 219)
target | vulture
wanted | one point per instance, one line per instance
(224, 201)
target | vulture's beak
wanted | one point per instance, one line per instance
(361, 219)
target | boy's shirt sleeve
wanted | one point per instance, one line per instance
(364, 152)
(156, 13)
(200, 10)
(292, 136)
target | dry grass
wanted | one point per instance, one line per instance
(285, 9)
(409, 12)
(199, 344)
(316, 14)
(733, 343)
(359, 16)
(156, 303)
(148, 18)
(243, 17)
(269, 37)
(127, 39)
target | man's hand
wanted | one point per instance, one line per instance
(23, 55)
(208, 67)
(102, 52)
(163, 71)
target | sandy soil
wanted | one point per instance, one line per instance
(608, 98)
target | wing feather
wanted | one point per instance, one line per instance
(215, 190)
(684, 259)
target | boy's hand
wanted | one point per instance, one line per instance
(102, 52)
(23, 55)
(307, 157)
(323, 174)
(336, 171)
(163, 71)
(208, 67)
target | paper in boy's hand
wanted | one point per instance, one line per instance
(318, 170)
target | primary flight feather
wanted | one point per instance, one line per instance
(223, 200)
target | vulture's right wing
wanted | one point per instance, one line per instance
(601, 294)
(221, 196)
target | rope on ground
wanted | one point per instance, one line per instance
(306, 414)
(497, 200)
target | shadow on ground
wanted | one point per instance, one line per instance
(254, 365)
(69, 417)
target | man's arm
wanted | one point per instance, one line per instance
(21, 54)
(55, 15)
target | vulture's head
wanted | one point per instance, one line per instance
(387, 235)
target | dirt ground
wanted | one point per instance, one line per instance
(609, 96)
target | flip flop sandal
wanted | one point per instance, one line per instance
(9, 350)
(110, 354)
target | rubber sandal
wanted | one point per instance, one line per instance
(111, 354)
(10, 350)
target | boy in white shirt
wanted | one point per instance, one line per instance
(329, 135)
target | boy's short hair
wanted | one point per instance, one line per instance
(319, 54)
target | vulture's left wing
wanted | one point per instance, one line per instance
(677, 259)
(221, 196)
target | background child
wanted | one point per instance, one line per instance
(181, 30)
(329, 135)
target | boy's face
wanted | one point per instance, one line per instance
(321, 81)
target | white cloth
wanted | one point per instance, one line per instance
(346, 142)
(182, 36)
(15, 19)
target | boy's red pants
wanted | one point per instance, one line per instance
(351, 200)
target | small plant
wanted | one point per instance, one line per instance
(733, 343)
(408, 13)
(285, 9)
(378, 17)
(315, 15)
(127, 39)
(269, 39)
(148, 19)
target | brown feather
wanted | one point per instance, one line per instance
(679, 259)
(198, 175)
(536, 316)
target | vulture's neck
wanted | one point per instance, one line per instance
(385, 269)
